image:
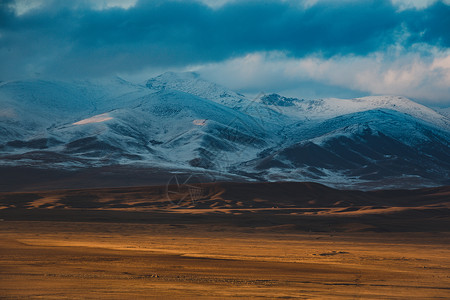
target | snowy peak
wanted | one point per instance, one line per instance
(172, 80)
(323, 109)
(191, 83)
(406, 106)
(278, 100)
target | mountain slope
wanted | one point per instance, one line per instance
(150, 126)
(180, 121)
(382, 146)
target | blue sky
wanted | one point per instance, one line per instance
(311, 48)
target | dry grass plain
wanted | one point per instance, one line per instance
(322, 250)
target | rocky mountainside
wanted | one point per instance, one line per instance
(181, 122)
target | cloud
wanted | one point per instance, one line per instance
(415, 4)
(426, 79)
(88, 38)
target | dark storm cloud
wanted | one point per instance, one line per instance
(62, 39)
(431, 26)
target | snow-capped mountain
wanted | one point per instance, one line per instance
(183, 122)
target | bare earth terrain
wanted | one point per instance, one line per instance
(262, 241)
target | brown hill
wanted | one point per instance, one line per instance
(225, 195)
(285, 205)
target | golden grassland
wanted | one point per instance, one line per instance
(322, 252)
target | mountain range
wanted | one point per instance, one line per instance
(179, 123)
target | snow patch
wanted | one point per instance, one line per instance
(95, 119)
(199, 122)
(7, 113)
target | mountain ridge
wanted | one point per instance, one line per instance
(183, 121)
